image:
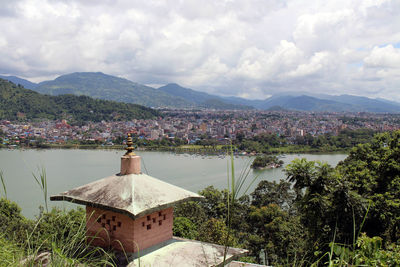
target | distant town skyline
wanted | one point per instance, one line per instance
(251, 49)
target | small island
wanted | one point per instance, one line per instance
(266, 162)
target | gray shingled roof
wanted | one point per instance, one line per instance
(134, 195)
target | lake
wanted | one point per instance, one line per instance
(66, 169)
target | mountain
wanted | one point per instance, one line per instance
(25, 83)
(17, 102)
(307, 103)
(103, 86)
(201, 99)
(368, 104)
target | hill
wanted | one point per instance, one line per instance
(306, 103)
(25, 83)
(16, 102)
(321, 102)
(201, 99)
(368, 104)
(103, 86)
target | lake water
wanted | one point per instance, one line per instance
(66, 169)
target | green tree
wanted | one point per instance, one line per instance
(373, 170)
(183, 227)
(268, 192)
(216, 231)
(275, 233)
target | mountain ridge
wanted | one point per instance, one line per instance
(202, 99)
(16, 102)
(104, 86)
(108, 87)
(17, 80)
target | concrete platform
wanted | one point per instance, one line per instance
(184, 252)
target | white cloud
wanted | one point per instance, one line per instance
(383, 57)
(316, 63)
(251, 48)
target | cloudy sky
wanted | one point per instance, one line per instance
(248, 48)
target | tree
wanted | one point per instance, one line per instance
(326, 203)
(373, 170)
(275, 233)
(267, 193)
(183, 227)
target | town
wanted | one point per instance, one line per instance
(194, 125)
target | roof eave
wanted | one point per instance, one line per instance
(123, 211)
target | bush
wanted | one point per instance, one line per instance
(13, 225)
(183, 227)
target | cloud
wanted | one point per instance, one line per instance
(383, 57)
(251, 48)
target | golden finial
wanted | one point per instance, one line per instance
(129, 149)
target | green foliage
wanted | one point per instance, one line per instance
(17, 102)
(271, 143)
(41, 180)
(215, 231)
(194, 211)
(3, 184)
(183, 227)
(62, 233)
(373, 171)
(369, 251)
(13, 225)
(325, 202)
(266, 161)
(10, 253)
(275, 233)
(280, 194)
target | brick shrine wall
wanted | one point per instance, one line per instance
(108, 228)
(112, 229)
(154, 228)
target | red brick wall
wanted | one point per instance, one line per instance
(110, 229)
(154, 228)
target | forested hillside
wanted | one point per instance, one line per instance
(338, 216)
(16, 102)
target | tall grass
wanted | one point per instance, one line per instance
(58, 236)
(235, 186)
(41, 180)
(3, 183)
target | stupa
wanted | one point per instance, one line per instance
(131, 212)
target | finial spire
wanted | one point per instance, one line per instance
(129, 149)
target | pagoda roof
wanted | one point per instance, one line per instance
(135, 195)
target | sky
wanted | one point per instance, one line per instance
(247, 48)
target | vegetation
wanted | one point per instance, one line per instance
(272, 143)
(347, 215)
(18, 103)
(57, 236)
(266, 161)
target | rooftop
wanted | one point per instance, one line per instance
(134, 194)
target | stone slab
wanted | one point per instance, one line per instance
(184, 253)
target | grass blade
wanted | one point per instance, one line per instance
(3, 184)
